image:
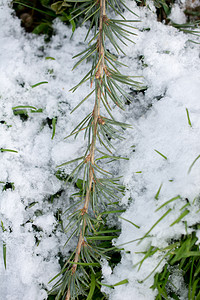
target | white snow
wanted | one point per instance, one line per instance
(177, 14)
(33, 236)
(170, 67)
(172, 74)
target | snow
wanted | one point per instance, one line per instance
(33, 236)
(172, 74)
(169, 64)
(177, 15)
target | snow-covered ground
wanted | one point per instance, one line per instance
(169, 64)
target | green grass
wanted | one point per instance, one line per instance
(184, 257)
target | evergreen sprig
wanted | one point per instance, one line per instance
(99, 188)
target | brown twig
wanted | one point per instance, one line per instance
(96, 116)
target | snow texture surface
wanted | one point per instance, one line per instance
(170, 67)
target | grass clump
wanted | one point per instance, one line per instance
(183, 259)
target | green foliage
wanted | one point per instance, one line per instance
(8, 185)
(54, 120)
(100, 237)
(4, 246)
(163, 10)
(87, 223)
(37, 16)
(191, 166)
(23, 111)
(188, 117)
(39, 83)
(59, 6)
(181, 257)
(158, 192)
(165, 157)
(184, 256)
(8, 150)
(190, 27)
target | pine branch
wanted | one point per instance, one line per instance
(98, 188)
(91, 156)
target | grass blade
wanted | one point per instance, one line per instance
(188, 117)
(158, 192)
(161, 218)
(24, 107)
(169, 201)
(190, 168)
(4, 254)
(39, 83)
(8, 150)
(165, 157)
(121, 282)
(54, 127)
(184, 213)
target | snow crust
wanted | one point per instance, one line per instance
(170, 68)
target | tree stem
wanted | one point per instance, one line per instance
(96, 115)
